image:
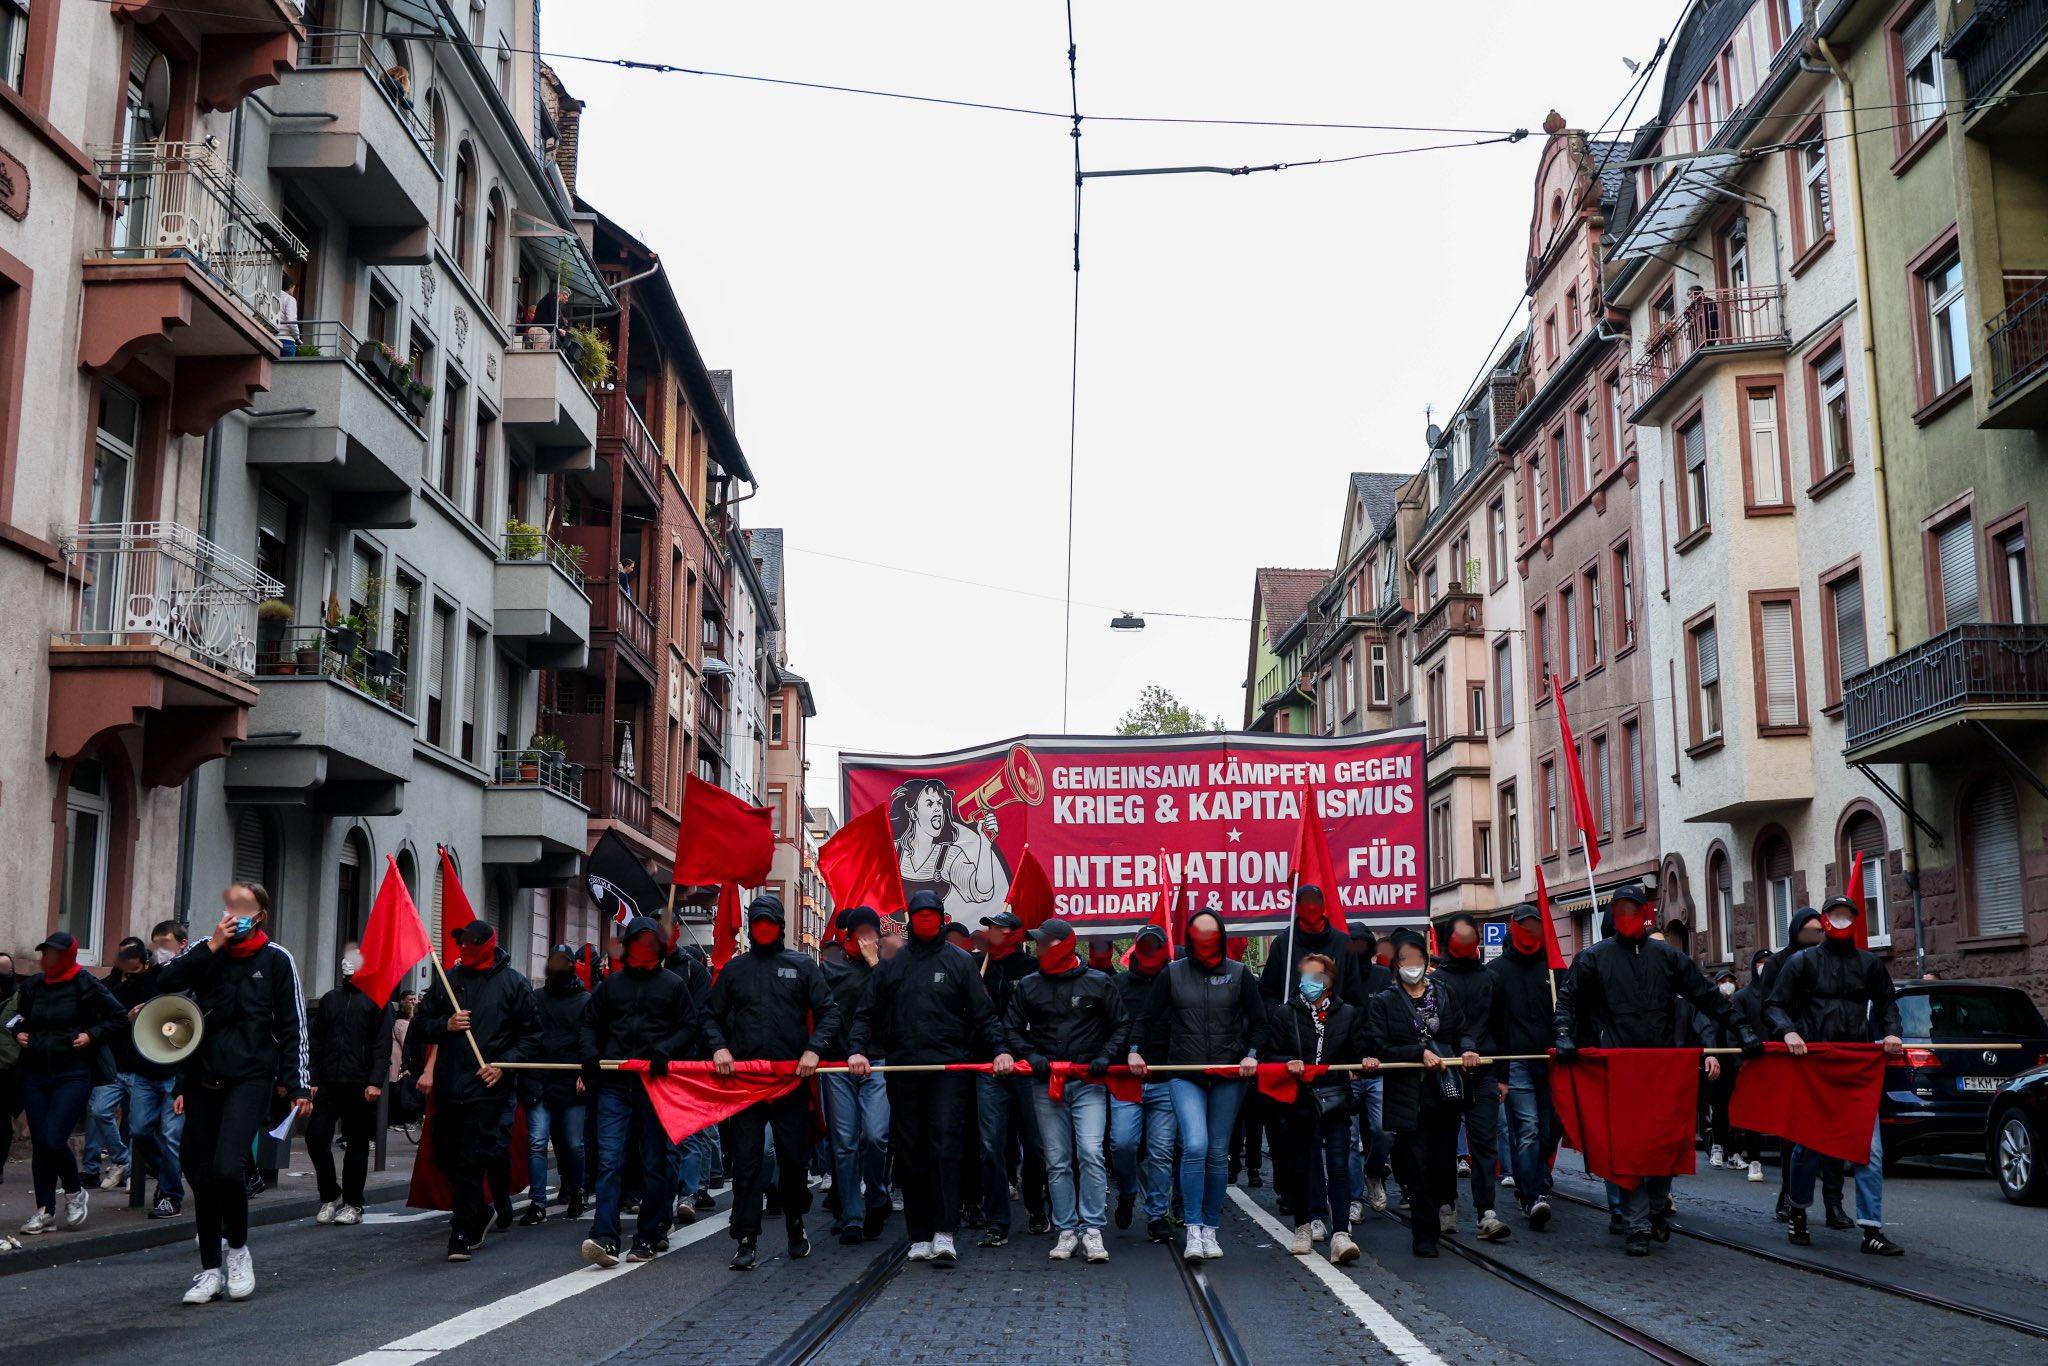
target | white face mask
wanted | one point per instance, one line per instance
(350, 961)
(1727, 988)
(164, 956)
(1413, 975)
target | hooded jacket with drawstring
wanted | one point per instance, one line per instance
(1801, 918)
(1074, 1016)
(768, 1002)
(502, 1016)
(640, 1013)
(1833, 992)
(927, 1004)
(561, 1002)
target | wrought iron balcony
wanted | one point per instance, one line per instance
(542, 768)
(1711, 320)
(1987, 671)
(1994, 41)
(2019, 339)
(162, 584)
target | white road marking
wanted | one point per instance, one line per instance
(467, 1327)
(385, 1217)
(1392, 1333)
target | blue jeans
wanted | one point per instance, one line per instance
(153, 1130)
(1070, 1130)
(1634, 1206)
(1532, 1130)
(621, 1110)
(1204, 1112)
(53, 1102)
(1147, 1124)
(1373, 1150)
(1869, 1181)
(858, 1111)
(562, 1122)
(998, 1100)
(103, 1131)
(694, 1159)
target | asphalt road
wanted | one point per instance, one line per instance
(382, 1294)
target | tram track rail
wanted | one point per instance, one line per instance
(1221, 1339)
(830, 1323)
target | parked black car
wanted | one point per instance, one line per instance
(2016, 1139)
(1938, 1102)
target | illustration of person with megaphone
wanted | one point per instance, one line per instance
(938, 852)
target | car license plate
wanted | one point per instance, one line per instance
(1979, 1083)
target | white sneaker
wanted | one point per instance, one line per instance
(1357, 1211)
(1714, 1157)
(113, 1176)
(42, 1221)
(1092, 1249)
(207, 1287)
(1304, 1240)
(1376, 1193)
(327, 1212)
(1491, 1229)
(943, 1249)
(349, 1214)
(241, 1269)
(1064, 1248)
(1211, 1249)
(1319, 1231)
(1343, 1251)
(1194, 1252)
(1756, 1171)
(1507, 1182)
(76, 1205)
(919, 1252)
(1447, 1219)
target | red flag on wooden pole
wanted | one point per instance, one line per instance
(1855, 894)
(455, 910)
(720, 838)
(859, 863)
(1312, 864)
(725, 930)
(1030, 894)
(1553, 951)
(394, 942)
(1582, 805)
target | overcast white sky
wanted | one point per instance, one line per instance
(890, 283)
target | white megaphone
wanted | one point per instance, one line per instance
(167, 1029)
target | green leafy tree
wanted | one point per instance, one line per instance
(1159, 712)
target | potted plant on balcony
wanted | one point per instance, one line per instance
(344, 633)
(591, 353)
(522, 540)
(543, 752)
(273, 616)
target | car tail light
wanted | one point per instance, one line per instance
(1922, 1057)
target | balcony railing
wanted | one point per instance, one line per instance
(391, 373)
(159, 583)
(1455, 613)
(2019, 338)
(335, 652)
(619, 421)
(329, 48)
(710, 719)
(1988, 664)
(611, 795)
(633, 625)
(541, 768)
(180, 201)
(1712, 319)
(1996, 38)
(524, 541)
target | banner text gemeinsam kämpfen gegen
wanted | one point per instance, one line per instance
(1101, 812)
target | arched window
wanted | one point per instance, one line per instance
(1990, 827)
(1863, 833)
(437, 128)
(465, 205)
(351, 883)
(1721, 905)
(494, 218)
(1774, 881)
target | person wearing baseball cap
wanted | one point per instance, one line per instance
(857, 1111)
(1142, 1135)
(1003, 1104)
(555, 1102)
(61, 1016)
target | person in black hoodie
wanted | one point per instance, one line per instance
(1069, 1012)
(927, 1005)
(1835, 992)
(1619, 994)
(858, 1111)
(1311, 1164)
(769, 1004)
(1311, 932)
(1523, 1006)
(1417, 1020)
(1142, 1134)
(640, 1011)
(10, 1058)
(1003, 1104)
(473, 1107)
(554, 1104)
(1464, 975)
(62, 1016)
(147, 1087)
(1803, 932)
(255, 1043)
(351, 1061)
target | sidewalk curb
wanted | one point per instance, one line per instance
(61, 1249)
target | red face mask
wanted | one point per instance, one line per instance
(1458, 949)
(764, 932)
(1062, 955)
(1312, 917)
(1841, 934)
(1002, 943)
(1099, 956)
(1149, 957)
(926, 924)
(644, 952)
(59, 965)
(1205, 943)
(1526, 936)
(481, 956)
(1384, 957)
(1633, 922)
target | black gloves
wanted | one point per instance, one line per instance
(657, 1064)
(1567, 1051)
(1040, 1067)
(1099, 1068)
(1752, 1046)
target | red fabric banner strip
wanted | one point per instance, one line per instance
(693, 1097)
(1122, 1085)
(1826, 1101)
(429, 1188)
(1629, 1111)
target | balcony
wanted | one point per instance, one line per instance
(1456, 613)
(330, 733)
(1909, 708)
(243, 45)
(538, 599)
(614, 611)
(1997, 49)
(534, 817)
(549, 414)
(2018, 336)
(343, 414)
(623, 438)
(354, 134)
(710, 719)
(192, 272)
(161, 638)
(1713, 322)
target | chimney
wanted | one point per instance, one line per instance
(1506, 396)
(565, 114)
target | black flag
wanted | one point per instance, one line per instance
(618, 882)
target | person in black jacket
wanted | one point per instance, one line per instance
(255, 1043)
(554, 1103)
(1142, 1133)
(927, 1005)
(640, 1011)
(769, 1003)
(1742, 1146)
(1523, 1006)
(1464, 975)
(351, 1060)
(1205, 1008)
(473, 1107)
(1311, 932)
(1311, 1161)
(1068, 1012)
(62, 1016)
(1835, 992)
(857, 1110)
(1802, 932)
(1417, 1020)
(1619, 994)
(1003, 1104)
(147, 1087)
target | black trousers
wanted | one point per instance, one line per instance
(341, 1104)
(1426, 1165)
(1249, 1135)
(473, 1142)
(743, 1135)
(927, 1131)
(1482, 1138)
(221, 1120)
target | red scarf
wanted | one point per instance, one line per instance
(643, 953)
(68, 971)
(1003, 943)
(761, 932)
(1526, 936)
(1205, 946)
(1313, 917)
(1058, 957)
(1458, 949)
(478, 957)
(1150, 957)
(247, 945)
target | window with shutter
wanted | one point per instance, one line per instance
(359, 571)
(1707, 672)
(1852, 648)
(1776, 861)
(1632, 744)
(1992, 829)
(1781, 668)
(1695, 513)
(1865, 835)
(252, 849)
(1956, 566)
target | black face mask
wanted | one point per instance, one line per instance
(560, 979)
(7, 981)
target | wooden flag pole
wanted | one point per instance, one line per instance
(456, 1003)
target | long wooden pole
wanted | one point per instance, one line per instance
(455, 1004)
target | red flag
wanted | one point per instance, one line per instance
(394, 941)
(1433, 955)
(1552, 950)
(1030, 894)
(1855, 894)
(721, 838)
(1274, 1081)
(692, 1097)
(860, 864)
(1167, 908)
(586, 963)
(429, 1188)
(725, 930)
(1630, 1112)
(1122, 1085)
(455, 910)
(1312, 865)
(1582, 806)
(1235, 945)
(1826, 1101)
